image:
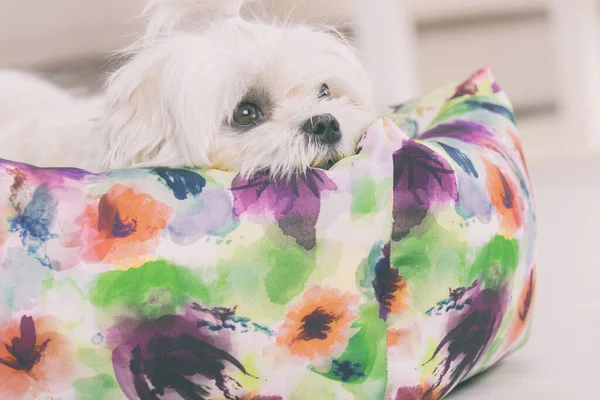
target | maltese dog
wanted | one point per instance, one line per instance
(203, 87)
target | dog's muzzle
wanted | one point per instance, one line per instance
(326, 128)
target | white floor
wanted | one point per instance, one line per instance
(562, 358)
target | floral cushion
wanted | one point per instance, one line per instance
(400, 272)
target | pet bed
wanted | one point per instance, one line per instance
(398, 273)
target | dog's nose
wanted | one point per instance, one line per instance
(325, 127)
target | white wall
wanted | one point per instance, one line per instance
(38, 32)
(34, 32)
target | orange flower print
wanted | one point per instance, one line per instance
(320, 325)
(34, 356)
(124, 224)
(526, 301)
(505, 198)
(399, 298)
(519, 146)
(402, 341)
(391, 289)
(396, 337)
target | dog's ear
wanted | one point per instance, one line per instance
(139, 124)
(133, 126)
(165, 16)
(157, 110)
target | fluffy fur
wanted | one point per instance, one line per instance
(173, 102)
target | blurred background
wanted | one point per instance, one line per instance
(545, 54)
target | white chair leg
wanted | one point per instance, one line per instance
(577, 29)
(386, 42)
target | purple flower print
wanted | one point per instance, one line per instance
(295, 203)
(422, 178)
(391, 289)
(465, 131)
(178, 354)
(475, 315)
(25, 350)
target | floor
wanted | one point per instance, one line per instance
(561, 359)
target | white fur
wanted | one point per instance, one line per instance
(187, 15)
(171, 104)
(42, 125)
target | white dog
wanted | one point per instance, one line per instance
(202, 88)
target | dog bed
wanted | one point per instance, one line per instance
(397, 274)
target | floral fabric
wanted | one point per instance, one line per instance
(398, 273)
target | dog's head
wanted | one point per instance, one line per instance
(207, 88)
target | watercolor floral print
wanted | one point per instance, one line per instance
(397, 274)
(35, 356)
(320, 323)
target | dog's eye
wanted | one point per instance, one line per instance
(247, 115)
(324, 92)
